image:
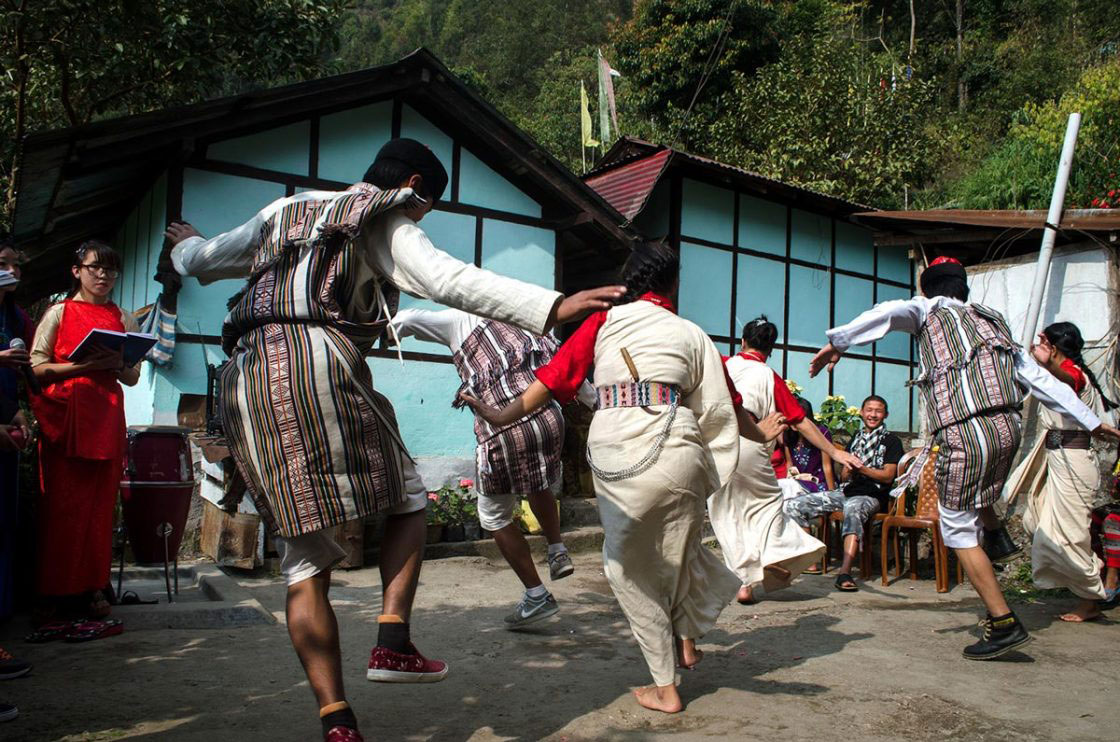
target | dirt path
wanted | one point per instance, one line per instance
(808, 665)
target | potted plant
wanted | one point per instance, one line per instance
(840, 418)
(434, 517)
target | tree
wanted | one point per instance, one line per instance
(73, 61)
(831, 116)
(666, 48)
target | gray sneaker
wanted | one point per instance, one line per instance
(531, 610)
(560, 565)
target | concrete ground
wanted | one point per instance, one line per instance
(809, 664)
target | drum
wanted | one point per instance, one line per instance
(156, 490)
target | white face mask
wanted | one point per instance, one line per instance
(8, 280)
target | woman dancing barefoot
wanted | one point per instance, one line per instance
(665, 436)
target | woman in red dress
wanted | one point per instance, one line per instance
(81, 450)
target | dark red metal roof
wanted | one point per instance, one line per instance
(627, 187)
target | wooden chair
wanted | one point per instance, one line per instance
(925, 518)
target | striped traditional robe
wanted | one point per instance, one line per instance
(968, 386)
(497, 362)
(316, 443)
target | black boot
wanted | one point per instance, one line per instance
(999, 546)
(1001, 635)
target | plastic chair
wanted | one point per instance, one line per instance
(925, 518)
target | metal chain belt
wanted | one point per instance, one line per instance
(647, 461)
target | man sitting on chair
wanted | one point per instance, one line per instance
(863, 493)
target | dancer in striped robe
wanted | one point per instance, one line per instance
(972, 380)
(496, 362)
(316, 443)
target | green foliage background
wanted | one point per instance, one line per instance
(829, 94)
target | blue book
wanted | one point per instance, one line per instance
(133, 345)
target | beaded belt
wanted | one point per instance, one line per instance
(1056, 439)
(637, 394)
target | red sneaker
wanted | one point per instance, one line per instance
(387, 666)
(344, 734)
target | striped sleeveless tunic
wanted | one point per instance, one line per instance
(497, 362)
(316, 444)
(972, 399)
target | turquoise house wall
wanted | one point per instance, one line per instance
(236, 177)
(806, 272)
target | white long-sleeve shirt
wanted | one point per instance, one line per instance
(395, 248)
(450, 327)
(909, 315)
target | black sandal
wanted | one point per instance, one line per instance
(841, 579)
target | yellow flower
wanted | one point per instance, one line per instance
(853, 410)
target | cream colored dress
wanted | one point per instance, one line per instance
(1060, 486)
(747, 517)
(665, 580)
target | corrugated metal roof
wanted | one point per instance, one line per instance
(1086, 220)
(628, 186)
(628, 173)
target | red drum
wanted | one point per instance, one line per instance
(156, 490)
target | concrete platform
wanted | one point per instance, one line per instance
(207, 599)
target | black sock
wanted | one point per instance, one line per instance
(394, 637)
(341, 718)
(1004, 617)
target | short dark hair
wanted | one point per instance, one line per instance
(760, 334)
(876, 398)
(952, 286)
(399, 159)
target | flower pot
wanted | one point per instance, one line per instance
(454, 532)
(435, 533)
(472, 531)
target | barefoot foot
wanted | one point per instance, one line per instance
(662, 698)
(688, 656)
(1086, 610)
(745, 596)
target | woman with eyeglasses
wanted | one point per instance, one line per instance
(82, 443)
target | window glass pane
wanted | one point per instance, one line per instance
(855, 248)
(705, 293)
(896, 344)
(853, 296)
(890, 384)
(762, 225)
(797, 369)
(894, 264)
(809, 297)
(707, 212)
(811, 237)
(852, 380)
(454, 234)
(761, 290)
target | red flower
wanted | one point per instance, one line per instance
(1096, 202)
(1112, 193)
(466, 483)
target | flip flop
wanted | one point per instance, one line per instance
(129, 597)
(843, 578)
(49, 632)
(87, 631)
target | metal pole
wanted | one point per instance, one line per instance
(1053, 218)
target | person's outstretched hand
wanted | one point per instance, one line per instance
(487, 412)
(826, 358)
(583, 303)
(179, 231)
